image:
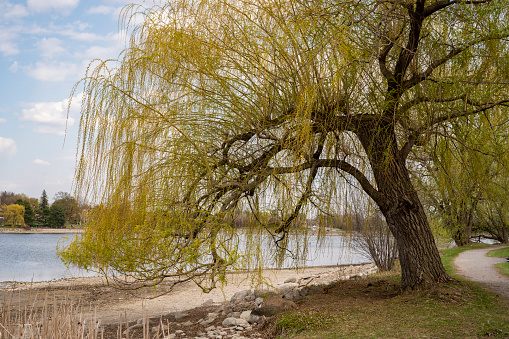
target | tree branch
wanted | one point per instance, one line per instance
(333, 163)
(412, 138)
(406, 55)
(417, 78)
(441, 4)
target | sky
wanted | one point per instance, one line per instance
(45, 48)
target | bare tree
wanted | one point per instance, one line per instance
(375, 240)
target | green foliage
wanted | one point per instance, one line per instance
(56, 216)
(42, 217)
(44, 201)
(221, 107)
(69, 205)
(29, 215)
(465, 184)
(13, 215)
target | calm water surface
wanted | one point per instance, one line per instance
(32, 257)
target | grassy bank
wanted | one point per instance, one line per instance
(375, 308)
(501, 253)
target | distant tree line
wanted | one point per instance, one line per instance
(18, 210)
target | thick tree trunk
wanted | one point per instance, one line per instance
(466, 219)
(420, 261)
(419, 257)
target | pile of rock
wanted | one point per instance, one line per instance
(237, 318)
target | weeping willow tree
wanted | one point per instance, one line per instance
(216, 108)
(464, 183)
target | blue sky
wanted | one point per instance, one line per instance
(45, 47)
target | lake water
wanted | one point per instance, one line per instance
(32, 257)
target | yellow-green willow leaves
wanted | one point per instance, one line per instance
(275, 110)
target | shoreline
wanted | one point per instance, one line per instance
(111, 304)
(99, 280)
(42, 230)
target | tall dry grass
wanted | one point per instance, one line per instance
(44, 317)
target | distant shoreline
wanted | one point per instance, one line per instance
(42, 230)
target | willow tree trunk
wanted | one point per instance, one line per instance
(420, 261)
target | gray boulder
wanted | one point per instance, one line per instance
(235, 322)
(289, 291)
(239, 296)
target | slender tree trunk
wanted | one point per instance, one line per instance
(419, 257)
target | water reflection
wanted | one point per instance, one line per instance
(32, 257)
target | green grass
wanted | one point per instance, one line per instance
(502, 253)
(375, 308)
(503, 267)
(448, 256)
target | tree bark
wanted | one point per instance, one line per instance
(420, 261)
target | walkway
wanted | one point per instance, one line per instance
(476, 266)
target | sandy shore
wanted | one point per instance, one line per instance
(109, 304)
(41, 230)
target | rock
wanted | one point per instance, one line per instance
(245, 315)
(208, 302)
(278, 301)
(289, 290)
(258, 301)
(212, 315)
(132, 328)
(291, 280)
(204, 322)
(239, 296)
(178, 315)
(244, 306)
(267, 311)
(253, 319)
(161, 328)
(250, 297)
(188, 323)
(304, 291)
(235, 322)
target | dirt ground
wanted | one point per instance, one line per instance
(111, 305)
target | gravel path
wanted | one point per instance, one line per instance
(476, 266)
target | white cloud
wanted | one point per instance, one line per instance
(41, 162)
(7, 148)
(88, 37)
(102, 10)
(62, 6)
(50, 47)
(53, 71)
(8, 45)
(51, 117)
(3, 121)
(103, 53)
(12, 11)
(14, 67)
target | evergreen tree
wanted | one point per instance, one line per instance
(56, 217)
(29, 215)
(44, 200)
